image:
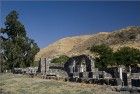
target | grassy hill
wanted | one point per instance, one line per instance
(77, 45)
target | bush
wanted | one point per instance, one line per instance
(127, 56)
(60, 60)
(104, 55)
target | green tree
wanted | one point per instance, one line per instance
(127, 56)
(18, 49)
(104, 55)
(60, 60)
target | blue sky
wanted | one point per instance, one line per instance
(46, 22)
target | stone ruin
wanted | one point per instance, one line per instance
(82, 68)
(28, 70)
(48, 69)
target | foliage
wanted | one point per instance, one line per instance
(104, 55)
(124, 56)
(18, 49)
(127, 56)
(61, 59)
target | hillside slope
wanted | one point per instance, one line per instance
(76, 45)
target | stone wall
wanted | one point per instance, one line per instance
(48, 68)
(82, 67)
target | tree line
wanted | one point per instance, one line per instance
(105, 56)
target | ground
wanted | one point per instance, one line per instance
(23, 84)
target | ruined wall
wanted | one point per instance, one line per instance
(81, 67)
(48, 68)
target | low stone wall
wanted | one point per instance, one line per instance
(27, 70)
(56, 65)
(135, 76)
(57, 72)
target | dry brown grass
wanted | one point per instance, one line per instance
(79, 44)
(22, 84)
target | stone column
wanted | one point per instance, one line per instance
(129, 79)
(42, 65)
(120, 74)
(74, 66)
(81, 68)
(71, 69)
(92, 65)
(45, 64)
(39, 66)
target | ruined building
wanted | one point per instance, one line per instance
(82, 69)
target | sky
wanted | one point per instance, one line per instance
(48, 21)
